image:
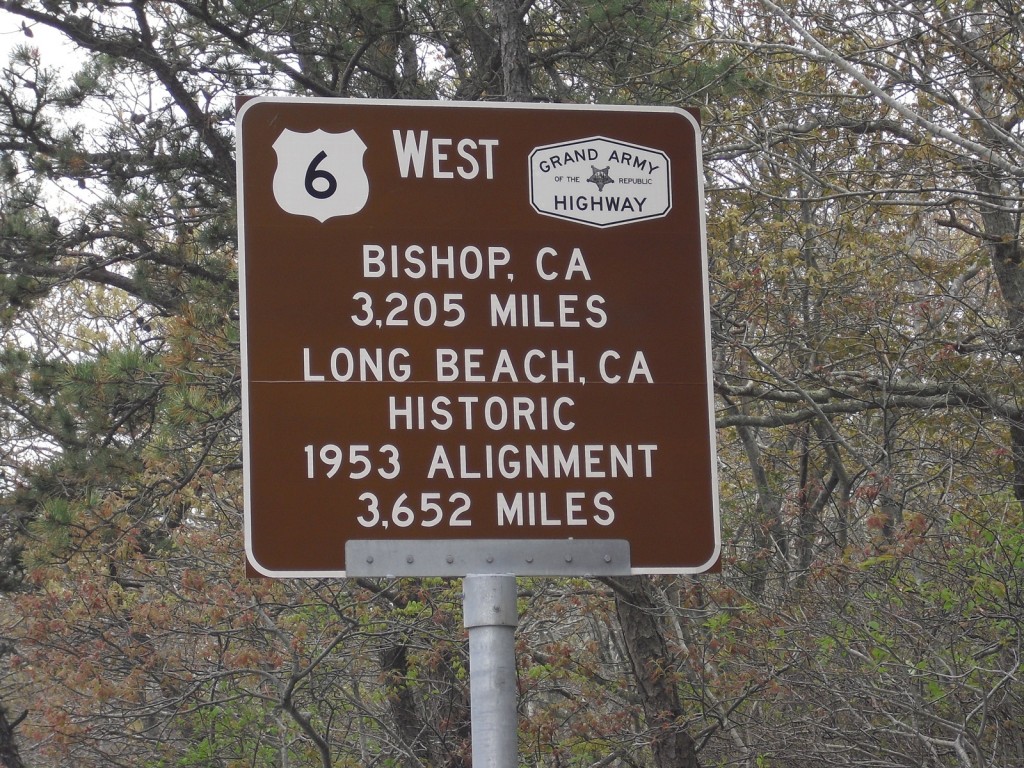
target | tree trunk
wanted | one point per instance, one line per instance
(515, 56)
(9, 757)
(1002, 229)
(671, 745)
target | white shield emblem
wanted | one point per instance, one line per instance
(320, 174)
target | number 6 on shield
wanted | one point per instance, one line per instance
(320, 174)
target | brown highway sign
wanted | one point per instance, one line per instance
(481, 327)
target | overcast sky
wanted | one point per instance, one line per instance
(56, 53)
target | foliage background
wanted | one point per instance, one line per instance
(865, 176)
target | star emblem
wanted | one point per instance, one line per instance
(601, 177)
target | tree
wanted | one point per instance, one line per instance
(932, 96)
(864, 174)
(120, 393)
(870, 376)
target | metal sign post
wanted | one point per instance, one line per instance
(490, 615)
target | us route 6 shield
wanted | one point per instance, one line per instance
(320, 174)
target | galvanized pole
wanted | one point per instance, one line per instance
(490, 615)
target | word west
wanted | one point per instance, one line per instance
(422, 156)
